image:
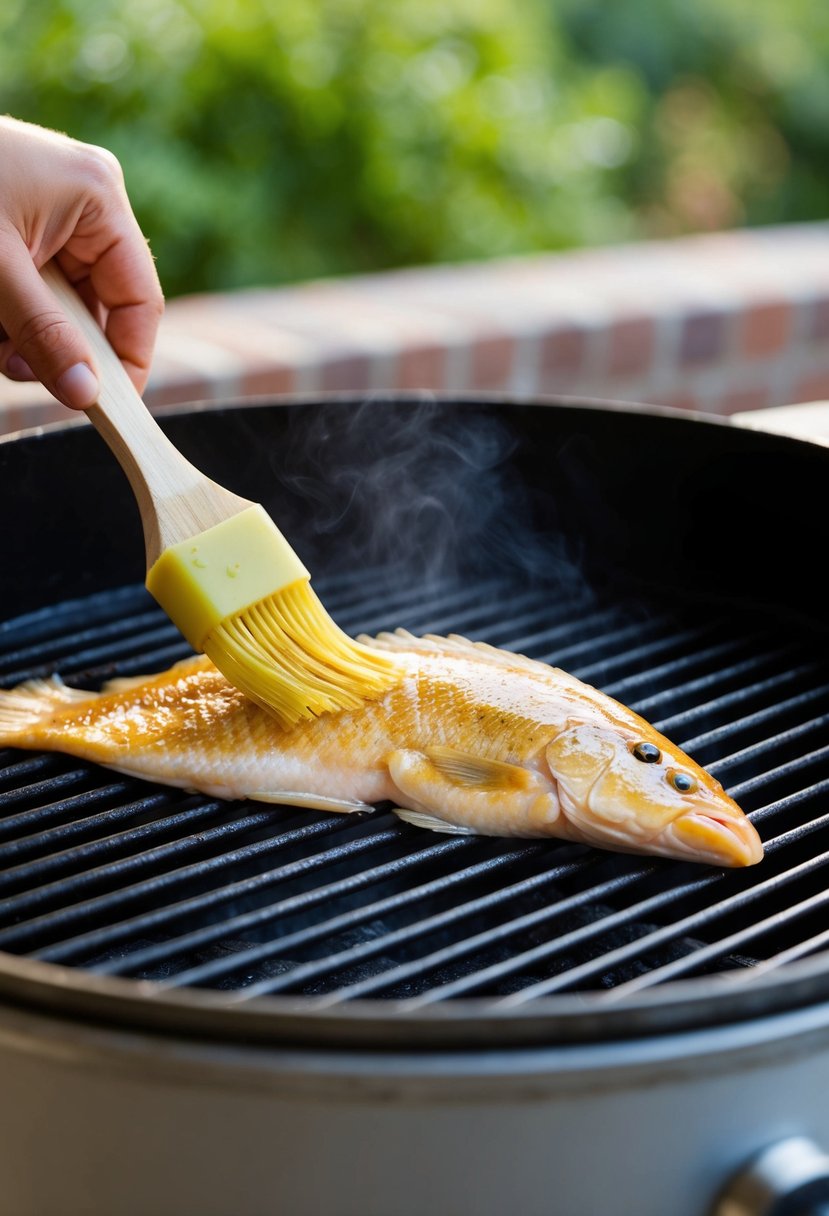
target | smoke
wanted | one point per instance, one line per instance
(426, 486)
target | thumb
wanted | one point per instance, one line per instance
(39, 332)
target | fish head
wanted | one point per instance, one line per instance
(642, 794)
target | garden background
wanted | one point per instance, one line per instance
(271, 141)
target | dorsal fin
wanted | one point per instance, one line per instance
(455, 644)
(183, 667)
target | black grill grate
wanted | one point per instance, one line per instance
(116, 877)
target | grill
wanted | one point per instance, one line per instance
(114, 877)
(187, 983)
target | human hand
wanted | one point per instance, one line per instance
(64, 199)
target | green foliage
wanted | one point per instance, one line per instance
(274, 140)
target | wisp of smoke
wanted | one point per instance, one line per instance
(424, 487)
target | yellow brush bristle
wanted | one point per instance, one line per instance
(238, 592)
(287, 654)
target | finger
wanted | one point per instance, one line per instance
(18, 369)
(126, 283)
(86, 291)
(39, 332)
(11, 364)
(122, 278)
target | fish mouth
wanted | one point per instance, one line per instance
(715, 837)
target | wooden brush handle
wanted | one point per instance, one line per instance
(176, 501)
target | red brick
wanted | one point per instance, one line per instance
(813, 388)
(10, 416)
(180, 391)
(36, 413)
(347, 372)
(765, 328)
(745, 399)
(819, 320)
(562, 350)
(263, 380)
(491, 362)
(421, 367)
(631, 345)
(703, 337)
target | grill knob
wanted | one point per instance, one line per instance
(790, 1178)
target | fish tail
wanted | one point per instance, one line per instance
(29, 705)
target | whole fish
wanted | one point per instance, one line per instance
(471, 739)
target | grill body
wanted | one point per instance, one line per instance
(124, 1122)
(225, 1011)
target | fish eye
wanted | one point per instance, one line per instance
(648, 753)
(683, 783)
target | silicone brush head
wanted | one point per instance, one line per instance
(287, 654)
(239, 593)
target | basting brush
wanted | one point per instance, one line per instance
(219, 566)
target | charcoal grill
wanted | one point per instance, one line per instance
(668, 560)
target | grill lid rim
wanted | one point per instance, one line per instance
(699, 1003)
(590, 1016)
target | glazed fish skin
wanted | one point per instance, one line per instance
(471, 739)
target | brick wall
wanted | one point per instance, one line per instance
(724, 323)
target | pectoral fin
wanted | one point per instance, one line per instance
(463, 769)
(448, 790)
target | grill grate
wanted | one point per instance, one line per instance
(121, 878)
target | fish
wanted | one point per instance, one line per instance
(471, 739)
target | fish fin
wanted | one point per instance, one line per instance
(420, 819)
(489, 797)
(454, 643)
(465, 769)
(25, 706)
(314, 802)
(402, 639)
(196, 662)
(124, 683)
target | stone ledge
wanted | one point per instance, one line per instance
(725, 323)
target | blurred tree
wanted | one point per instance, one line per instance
(273, 140)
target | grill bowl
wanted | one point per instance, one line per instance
(667, 559)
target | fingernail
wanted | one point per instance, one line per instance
(19, 369)
(78, 387)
